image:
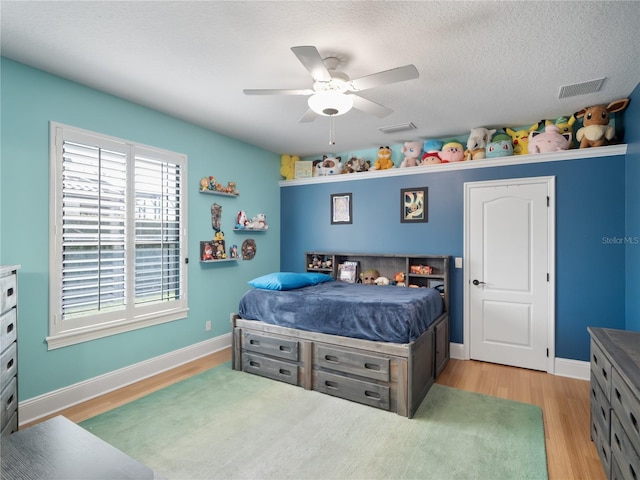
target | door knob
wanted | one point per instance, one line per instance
(477, 282)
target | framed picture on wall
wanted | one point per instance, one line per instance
(414, 205)
(341, 208)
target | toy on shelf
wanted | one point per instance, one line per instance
(219, 251)
(210, 184)
(420, 269)
(432, 145)
(551, 140)
(500, 146)
(520, 139)
(233, 251)
(384, 161)
(431, 158)
(329, 166)
(287, 166)
(596, 131)
(207, 252)
(412, 154)
(241, 220)
(564, 124)
(477, 142)
(368, 277)
(399, 279)
(216, 216)
(356, 165)
(452, 152)
(381, 281)
(259, 222)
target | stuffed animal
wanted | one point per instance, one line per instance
(432, 145)
(399, 278)
(520, 139)
(477, 142)
(596, 131)
(551, 140)
(499, 146)
(412, 152)
(287, 166)
(207, 252)
(431, 158)
(356, 164)
(329, 166)
(241, 220)
(259, 222)
(381, 281)
(384, 161)
(452, 152)
(369, 277)
(204, 183)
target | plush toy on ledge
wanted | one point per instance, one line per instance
(384, 161)
(431, 158)
(551, 140)
(520, 139)
(499, 146)
(452, 152)
(477, 143)
(596, 131)
(329, 166)
(287, 166)
(356, 165)
(412, 152)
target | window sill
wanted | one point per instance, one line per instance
(74, 337)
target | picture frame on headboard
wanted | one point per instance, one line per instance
(341, 209)
(414, 205)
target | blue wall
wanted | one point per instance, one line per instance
(32, 98)
(632, 123)
(590, 206)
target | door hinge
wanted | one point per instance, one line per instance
(548, 201)
(547, 277)
(547, 353)
(186, 260)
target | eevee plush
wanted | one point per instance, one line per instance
(596, 131)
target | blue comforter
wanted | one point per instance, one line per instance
(371, 312)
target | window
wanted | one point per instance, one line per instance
(118, 236)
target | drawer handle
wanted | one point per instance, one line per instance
(604, 415)
(10, 328)
(595, 359)
(593, 392)
(331, 358)
(285, 372)
(284, 348)
(254, 342)
(595, 428)
(604, 373)
(633, 472)
(370, 394)
(634, 421)
(618, 396)
(10, 364)
(10, 291)
(10, 400)
(617, 440)
(331, 384)
(254, 364)
(372, 366)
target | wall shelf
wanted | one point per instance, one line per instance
(223, 194)
(222, 260)
(250, 229)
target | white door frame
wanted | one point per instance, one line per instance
(551, 188)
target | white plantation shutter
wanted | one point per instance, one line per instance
(117, 257)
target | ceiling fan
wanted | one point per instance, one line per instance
(333, 92)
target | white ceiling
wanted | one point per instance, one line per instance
(481, 63)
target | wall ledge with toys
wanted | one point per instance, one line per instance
(573, 154)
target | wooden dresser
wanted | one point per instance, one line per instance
(8, 349)
(615, 401)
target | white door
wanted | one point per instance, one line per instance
(508, 272)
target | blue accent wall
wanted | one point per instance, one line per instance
(632, 124)
(590, 208)
(30, 100)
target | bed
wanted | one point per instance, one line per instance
(381, 346)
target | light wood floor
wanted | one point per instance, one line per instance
(564, 402)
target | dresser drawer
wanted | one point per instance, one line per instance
(7, 329)
(601, 368)
(623, 451)
(600, 437)
(359, 391)
(270, 345)
(627, 407)
(348, 361)
(8, 292)
(8, 365)
(270, 368)
(8, 402)
(11, 426)
(600, 409)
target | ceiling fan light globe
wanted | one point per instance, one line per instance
(330, 103)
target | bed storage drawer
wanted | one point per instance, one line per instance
(8, 365)
(600, 409)
(627, 407)
(601, 368)
(359, 391)
(8, 329)
(270, 345)
(270, 367)
(9, 405)
(342, 360)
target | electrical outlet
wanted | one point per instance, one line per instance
(207, 326)
(458, 262)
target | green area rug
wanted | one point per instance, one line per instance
(227, 424)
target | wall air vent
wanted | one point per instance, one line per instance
(401, 127)
(583, 88)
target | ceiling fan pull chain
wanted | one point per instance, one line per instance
(332, 140)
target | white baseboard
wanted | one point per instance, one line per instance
(564, 367)
(35, 408)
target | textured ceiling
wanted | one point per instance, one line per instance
(481, 63)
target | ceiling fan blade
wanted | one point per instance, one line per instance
(367, 106)
(268, 91)
(399, 74)
(312, 61)
(309, 116)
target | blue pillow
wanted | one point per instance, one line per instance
(317, 278)
(281, 281)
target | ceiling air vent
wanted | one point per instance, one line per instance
(401, 127)
(583, 88)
